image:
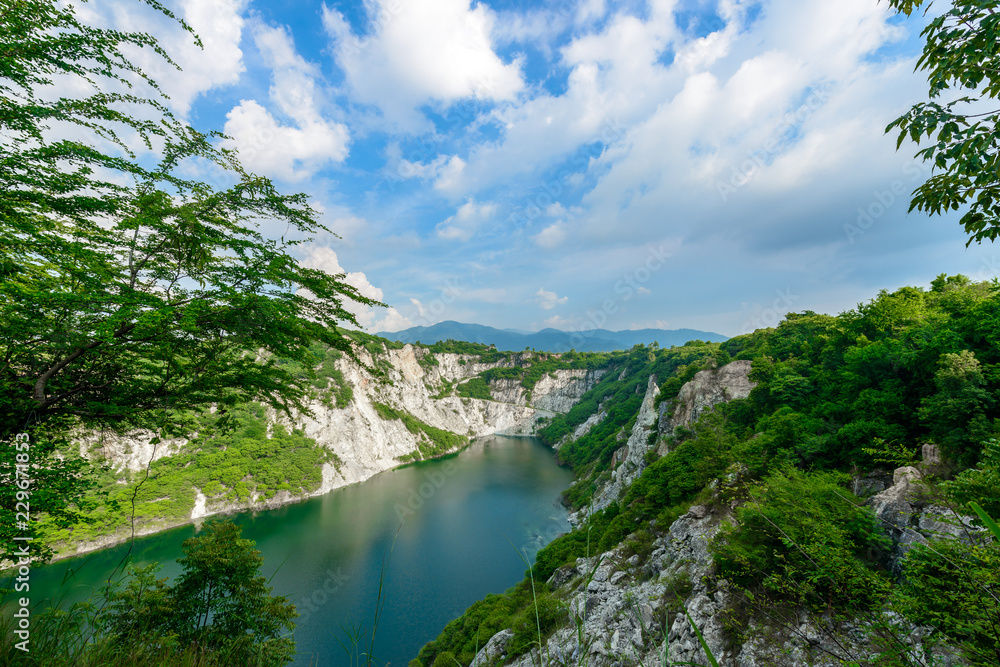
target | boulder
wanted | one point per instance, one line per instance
(494, 651)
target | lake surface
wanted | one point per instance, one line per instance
(450, 525)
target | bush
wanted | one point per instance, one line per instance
(802, 539)
(219, 612)
(477, 387)
(955, 588)
(678, 476)
(980, 484)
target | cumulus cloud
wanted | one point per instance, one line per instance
(288, 152)
(217, 63)
(392, 321)
(547, 300)
(747, 149)
(422, 51)
(219, 25)
(467, 220)
(372, 319)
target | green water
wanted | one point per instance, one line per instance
(456, 519)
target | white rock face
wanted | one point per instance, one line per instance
(629, 613)
(632, 457)
(132, 452)
(709, 388)
(367, 445)
(703, 392)
(584, 428)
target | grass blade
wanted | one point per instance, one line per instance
(986, 519)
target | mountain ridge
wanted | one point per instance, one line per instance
(549, 339)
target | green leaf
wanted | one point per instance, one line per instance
(986, 519)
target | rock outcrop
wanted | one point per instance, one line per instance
(706, 389)
(630, 608)
(630, 460)
(703, 392)
(909, 515)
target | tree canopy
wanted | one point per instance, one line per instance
(128, 291)
(962, 59)
(219, 602)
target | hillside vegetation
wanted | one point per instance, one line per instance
(837, 398)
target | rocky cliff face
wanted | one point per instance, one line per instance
(707, 389)
(703, 392)
(367, 444)
(629, 605)
(630, 460)
(627, 608)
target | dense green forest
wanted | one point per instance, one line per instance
(836, 397)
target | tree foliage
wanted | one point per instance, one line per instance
(954, 588)
(128, 291)
(219, 602)
(962, 59)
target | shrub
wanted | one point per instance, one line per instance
(803, 539)
(955, 588)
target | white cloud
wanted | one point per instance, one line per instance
(614, 79)
(547, 300)
(275, 150)
(349, 227)
(590, 10)
(422, 51)
(219, 25)
(393, 321)
(217, 63)
(325, 259)
(463, 225)
(287, 152)
(551, 236)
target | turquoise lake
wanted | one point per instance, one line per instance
(453, 522)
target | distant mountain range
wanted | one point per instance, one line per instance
(549, 340)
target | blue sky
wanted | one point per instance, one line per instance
(672, 163)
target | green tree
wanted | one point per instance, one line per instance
(803, 539)
(980, 484)
(123, 305)
(962, 59)
(220, 602)
(956, 414)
